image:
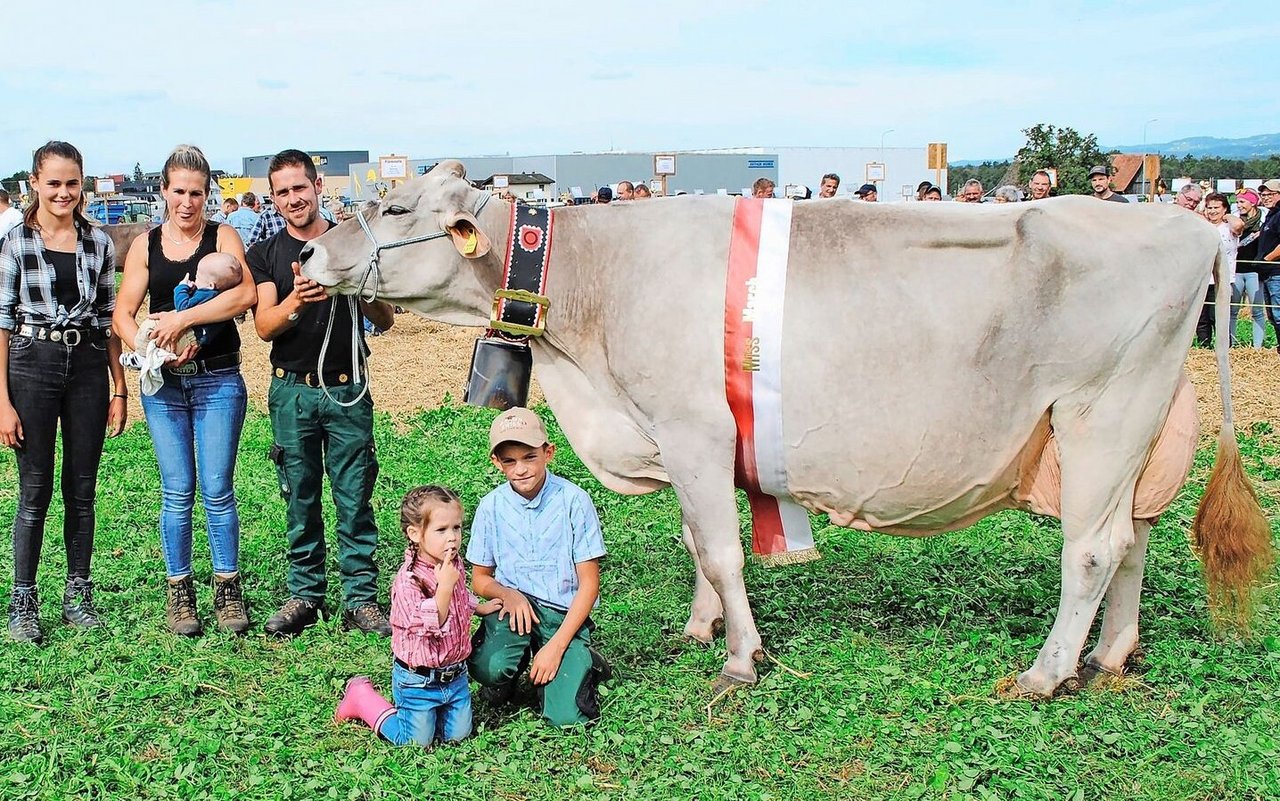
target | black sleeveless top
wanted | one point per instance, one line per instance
(165, 275)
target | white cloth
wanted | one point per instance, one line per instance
(1230, 243)
(149, 361)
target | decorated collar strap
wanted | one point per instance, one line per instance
(520, 305)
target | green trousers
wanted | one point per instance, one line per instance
(499, 655)
(315, 436)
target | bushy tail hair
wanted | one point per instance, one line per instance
(1231, 534)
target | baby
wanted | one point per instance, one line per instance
(214, 273)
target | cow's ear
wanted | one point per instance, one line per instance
(453, 167)
(467, 237)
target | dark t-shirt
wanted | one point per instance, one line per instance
(1267, 241)
(163, 275)
(298, 348)
(1115, 197)
(66, 284)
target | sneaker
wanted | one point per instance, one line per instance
(228, 604)
(180, 608)
(24, 616)
(295, 615)
(77, 604)
(367, 618)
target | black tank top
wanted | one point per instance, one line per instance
(165, 275)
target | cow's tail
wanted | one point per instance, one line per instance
(1231, 534)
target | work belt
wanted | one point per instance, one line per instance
(199, 366)
(437, 675)
(313, 379)
(66, 336)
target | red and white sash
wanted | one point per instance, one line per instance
(754, 294)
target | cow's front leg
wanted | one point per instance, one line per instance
(699, 462)
(707, 612)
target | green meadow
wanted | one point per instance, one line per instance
(879, 684)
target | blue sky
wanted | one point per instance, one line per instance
(127, 81)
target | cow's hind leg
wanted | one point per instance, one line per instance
(700, 467)
(1119, 636)
(1102, 451)
(707, 613)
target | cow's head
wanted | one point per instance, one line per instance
(442, 277)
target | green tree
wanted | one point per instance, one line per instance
(11, 183)
(137, 171)
(1063, 149)
(990, 173)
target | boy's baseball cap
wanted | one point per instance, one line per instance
(517, 425)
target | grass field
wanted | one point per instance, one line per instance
(891, 647)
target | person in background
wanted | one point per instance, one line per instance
(1269, 250)
(604, 196)
(933, 193)
(626, 191)
(1040, 185)
(245, 218)
(971, 192)
(922, 188)
(868, 193)
(1007, 194)
(57, 294)
(1229, 228)
(1246, 284)
(763, 187)
(1100, 180)
(1188, 197)
(642, 192)
(10, 217)
(829, 186)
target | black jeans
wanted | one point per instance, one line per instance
(1204, 325)
(48, 382)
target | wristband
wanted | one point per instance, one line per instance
(118, 395)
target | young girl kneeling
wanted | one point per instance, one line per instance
(431, 610)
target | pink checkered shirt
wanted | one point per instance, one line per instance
(417, 638)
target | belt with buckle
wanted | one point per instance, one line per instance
(437, 675)
(313, 379)
(198, 366)
(67, 336)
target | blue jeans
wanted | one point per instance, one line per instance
(1247, 286)
(1271, 297)
(427, 711)
(196, 419)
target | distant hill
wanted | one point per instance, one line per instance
(1250, 147)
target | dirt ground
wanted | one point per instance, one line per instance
(418, 363)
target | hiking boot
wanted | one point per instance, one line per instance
(290, 619)
(77, 604)
(601, 666)
(24, 616)
(228, 604)
(367, 618)
(496, 695)
(180, 608)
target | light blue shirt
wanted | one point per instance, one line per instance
(243, 219)
(534, 545)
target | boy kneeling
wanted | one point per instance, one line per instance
(536, 545)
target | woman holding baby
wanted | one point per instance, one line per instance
(196, 415)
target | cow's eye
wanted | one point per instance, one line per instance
(395, 210)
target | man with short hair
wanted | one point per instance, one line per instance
(642, 191)
(868, 193)
(830, 183)
(1039, 186)
(244, 218)
(10, 217)
(763, 187)
(321, 417)
(1188, 197)
(1269, 249)
(1100, 179)
(971, 192)
(626, 190)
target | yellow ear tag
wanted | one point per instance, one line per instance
(471, 244)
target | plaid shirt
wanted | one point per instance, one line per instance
(26, 282)
(271, 223)
(417, 638)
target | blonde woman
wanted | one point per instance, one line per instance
(196, 417)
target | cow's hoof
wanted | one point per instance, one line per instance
(704, 633)
(725, 684)
(1009, 689)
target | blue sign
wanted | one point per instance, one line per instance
(762, 164)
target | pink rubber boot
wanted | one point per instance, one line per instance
(361, 702)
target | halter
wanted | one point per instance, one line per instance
(359, 362)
